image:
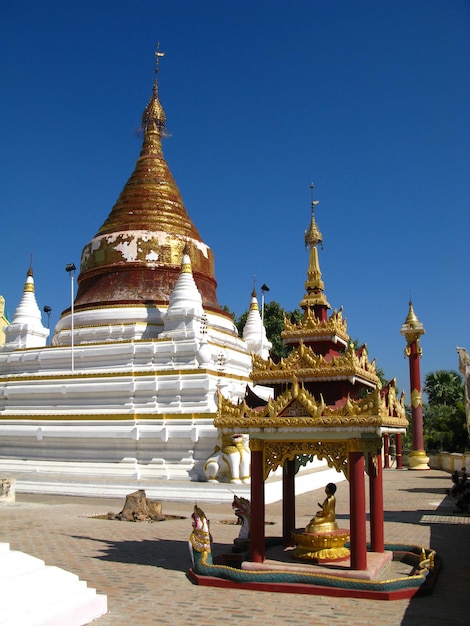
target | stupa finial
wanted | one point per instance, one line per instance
(313, 235)
(314, 284)
(154, 118)
(158, 55)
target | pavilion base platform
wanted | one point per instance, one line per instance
(283, 559)
(402, 571)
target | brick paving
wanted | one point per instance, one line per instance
(142, 567)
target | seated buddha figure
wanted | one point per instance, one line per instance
(325, 519)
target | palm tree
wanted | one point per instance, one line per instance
(443, 387)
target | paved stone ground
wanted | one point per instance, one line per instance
(142, 567)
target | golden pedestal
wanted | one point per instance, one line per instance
(418, 460)
(321, 547)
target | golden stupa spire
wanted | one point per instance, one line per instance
(29, 284)
(151, 199)
(314, 284)
(186, 261)
(153, 117)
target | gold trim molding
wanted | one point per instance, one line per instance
(278, 452)
(303, 361)
(297, 408)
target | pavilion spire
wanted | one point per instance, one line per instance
(314, 285)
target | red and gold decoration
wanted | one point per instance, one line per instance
(412, 329)
(328, 403)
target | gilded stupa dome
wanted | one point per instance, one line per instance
(136, 255)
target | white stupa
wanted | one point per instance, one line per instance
(26, 329)
(127, 388)
(254, 332)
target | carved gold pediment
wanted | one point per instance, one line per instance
(294, 409)
(303, 363)
(297, 408)
(311, 326)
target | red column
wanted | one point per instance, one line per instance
(416, 406)
(288, 502)
(357, 505)
(376, 497)
(257, 542)
(386, 451)
(399, 451)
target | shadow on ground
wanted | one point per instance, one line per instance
(165, 553)
(450, 540)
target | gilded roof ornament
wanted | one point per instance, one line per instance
(310, 366)
(311, 327)
(313, 235)
(297, 408)
(412, 328)
(314, 284)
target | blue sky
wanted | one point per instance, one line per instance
(369, 100)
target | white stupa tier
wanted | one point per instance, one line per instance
(139, 407)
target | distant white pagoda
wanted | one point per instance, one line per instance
(26, 329)
(254, 332)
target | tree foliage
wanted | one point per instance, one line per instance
(444, 417)
(443, 387)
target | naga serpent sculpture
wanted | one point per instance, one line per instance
(200, 545)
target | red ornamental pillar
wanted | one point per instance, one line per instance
(357, 505)
(288, 502)
(412, 329)
(376, 497)
(257, 540)
(399, 451)
(386, 451)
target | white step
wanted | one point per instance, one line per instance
(34, 594)
(14, 564)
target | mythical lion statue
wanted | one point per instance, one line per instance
(229, 462)
(242, 509)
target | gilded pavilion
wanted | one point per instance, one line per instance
(328, 403)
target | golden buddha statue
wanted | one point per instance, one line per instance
(325, 519)
(322, 541)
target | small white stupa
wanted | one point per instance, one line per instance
(26, 329)
(254, 331)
